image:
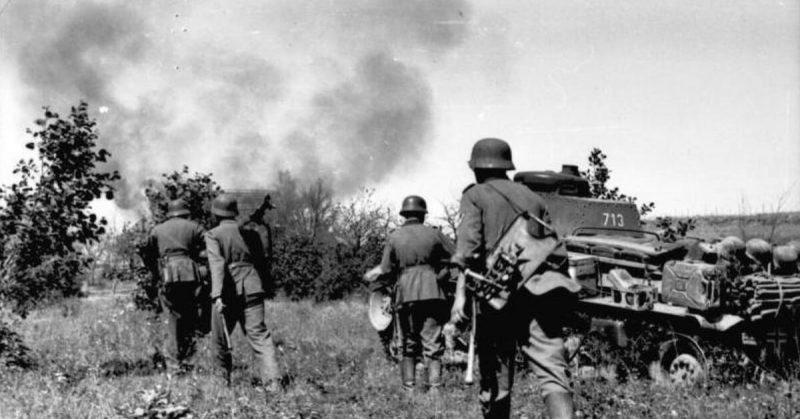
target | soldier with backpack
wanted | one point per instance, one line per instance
(532, 318)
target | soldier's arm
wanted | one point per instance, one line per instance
(389, 259)
(469, 233)
(216, 264)
(447, 245)
(199, 242)
(148, 252)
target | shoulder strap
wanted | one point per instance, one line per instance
(518, 209)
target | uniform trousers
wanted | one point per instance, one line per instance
(248, 312)
(421, 324)
(180, 301)
(535, 324)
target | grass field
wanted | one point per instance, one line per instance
(94, 360)
(777, 228)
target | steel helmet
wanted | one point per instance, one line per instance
(225, 206)
(759, 250)
(784, 259)
(491, 153)
(177, 207)
(414, 204)
(730, 246)
(795, 244)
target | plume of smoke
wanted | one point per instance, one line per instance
(228, 89)
(362, 128)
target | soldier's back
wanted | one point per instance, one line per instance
(416, 243)
(179, 237)
(501, 201)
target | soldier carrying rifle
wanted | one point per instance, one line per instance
(532, 316)
(178, 243)
(239, 270)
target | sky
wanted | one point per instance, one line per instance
(696, 104)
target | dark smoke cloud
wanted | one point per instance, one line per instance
(84, 53)
(374, 119)
(179, 94)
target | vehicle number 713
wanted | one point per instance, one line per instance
(613, 219)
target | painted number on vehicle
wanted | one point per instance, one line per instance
(613, 219)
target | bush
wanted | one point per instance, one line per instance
(323, 248)
(46, 213)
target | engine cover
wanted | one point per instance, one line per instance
(692, 284)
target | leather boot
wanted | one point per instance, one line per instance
(407, 369)
(559, 405)
(434, 375)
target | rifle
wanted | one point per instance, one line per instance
(257, 216)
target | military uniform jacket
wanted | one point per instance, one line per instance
(486, 214)
(416, 252)
(236, 261)
(179, 242)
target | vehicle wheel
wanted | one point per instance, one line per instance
(683, 361)
(685, 369)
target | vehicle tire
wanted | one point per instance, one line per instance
(682, 361)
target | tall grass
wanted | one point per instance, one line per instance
(96, 360)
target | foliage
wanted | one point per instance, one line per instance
(102, 359)
(321, 248)
(673, 230)
(13, 352)
(46, 212)
(599, 175)
(198, 190)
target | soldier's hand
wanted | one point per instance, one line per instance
(457, 312)
(373, 274)
(219, 305)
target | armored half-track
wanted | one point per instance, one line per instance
(687, 286)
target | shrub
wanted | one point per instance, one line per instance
(47, 211)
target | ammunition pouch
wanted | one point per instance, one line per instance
(178, 269)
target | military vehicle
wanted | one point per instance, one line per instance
(689, 287)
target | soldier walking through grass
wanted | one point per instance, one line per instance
(239, 269)
(487, 210)
(417, 254)
(178, 242)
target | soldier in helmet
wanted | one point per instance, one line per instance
(487, 209)
(758, 254)
(238, 269)
(179, 242)
(784, 260)
(417, 254)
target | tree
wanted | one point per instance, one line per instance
(46, 212)
(198, 190)
(599, 174)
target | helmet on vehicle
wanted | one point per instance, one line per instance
(225, 206)
(759, 250)
(784, 260)
(413, 204)
(795, 244)
(177, 207)
(730, 247)
(491, 153)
